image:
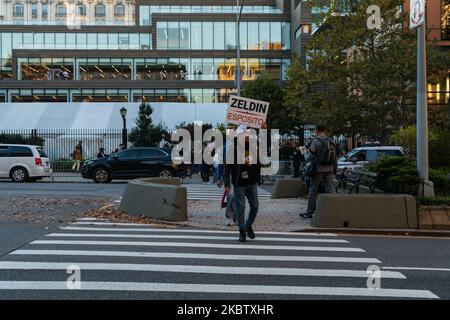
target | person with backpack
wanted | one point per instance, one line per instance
(321, 158)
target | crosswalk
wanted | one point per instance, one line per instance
(126, 260)
(212, 192)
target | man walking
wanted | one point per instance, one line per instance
(245, 179)
(323, 154)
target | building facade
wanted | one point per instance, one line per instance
(133, 51)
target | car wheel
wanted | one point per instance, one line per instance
(101, 175)
(165, 173)
(19, 174)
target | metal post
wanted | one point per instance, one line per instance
(124, 132)
(422, 110)
(238, 47)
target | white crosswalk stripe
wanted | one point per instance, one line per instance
(117, 257)
(212, 192)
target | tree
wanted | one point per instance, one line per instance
(360, 80)
(146, 133)
(266, 89)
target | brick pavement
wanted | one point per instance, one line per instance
(273, 215)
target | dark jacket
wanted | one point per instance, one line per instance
(234, 173)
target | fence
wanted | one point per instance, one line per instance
(59, 144)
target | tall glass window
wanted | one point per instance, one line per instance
(264, 36)
(173, 36)
(219, 35)
(253, 36)
(445, 19)
(162, 35)
(243, 35)
(208, 36)
(275, 36)
(230, 35)
(185, 31)
(286, 35)
(196, 38)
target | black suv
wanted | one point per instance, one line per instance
(130, 164)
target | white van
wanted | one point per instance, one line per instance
(360, 157)
(23, 163)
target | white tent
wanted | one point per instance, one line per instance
(103, 115)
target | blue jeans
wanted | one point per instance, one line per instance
(251, 193)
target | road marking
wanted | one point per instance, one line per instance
(196, 245)
(195, 256)
(220, 288)
(180, 230)
(417, 269)
(158, 236)
(20, 265)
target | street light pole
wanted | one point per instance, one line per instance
(422, 112)
(123, 114)
(238, 47)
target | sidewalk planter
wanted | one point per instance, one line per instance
(158, 198)
(374, 211)
(434, 218)
(288, 188)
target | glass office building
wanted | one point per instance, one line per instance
(138, 50)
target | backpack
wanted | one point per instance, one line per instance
(327, 155)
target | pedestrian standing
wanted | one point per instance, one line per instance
(322, 156)
(76, 156)
(101, 153)
(245, 179)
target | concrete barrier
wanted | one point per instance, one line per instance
(366, 211)
(158, 198)
(288, 188)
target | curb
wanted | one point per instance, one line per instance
(388, 232)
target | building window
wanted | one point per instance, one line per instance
(100, 11)
(119, 11)
(44, 11)
(445, 19)
(60, 10)
(18, 10)
(81, 10)
(34, 11)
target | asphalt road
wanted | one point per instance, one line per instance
(114, 189)
(140, 262)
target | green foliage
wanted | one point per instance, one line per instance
(146, 133)
(20, 139)
(191, 128)
(434, 201)
(396, 175)
(371, 89)
(439, 145)
(266, 89)
(441, 181)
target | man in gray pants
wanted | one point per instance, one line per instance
(323, 151)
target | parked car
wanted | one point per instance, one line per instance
(130, 164)
(23, 163)
(360, 157)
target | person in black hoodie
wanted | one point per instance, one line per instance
(245, 179)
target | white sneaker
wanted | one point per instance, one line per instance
(229, 222)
